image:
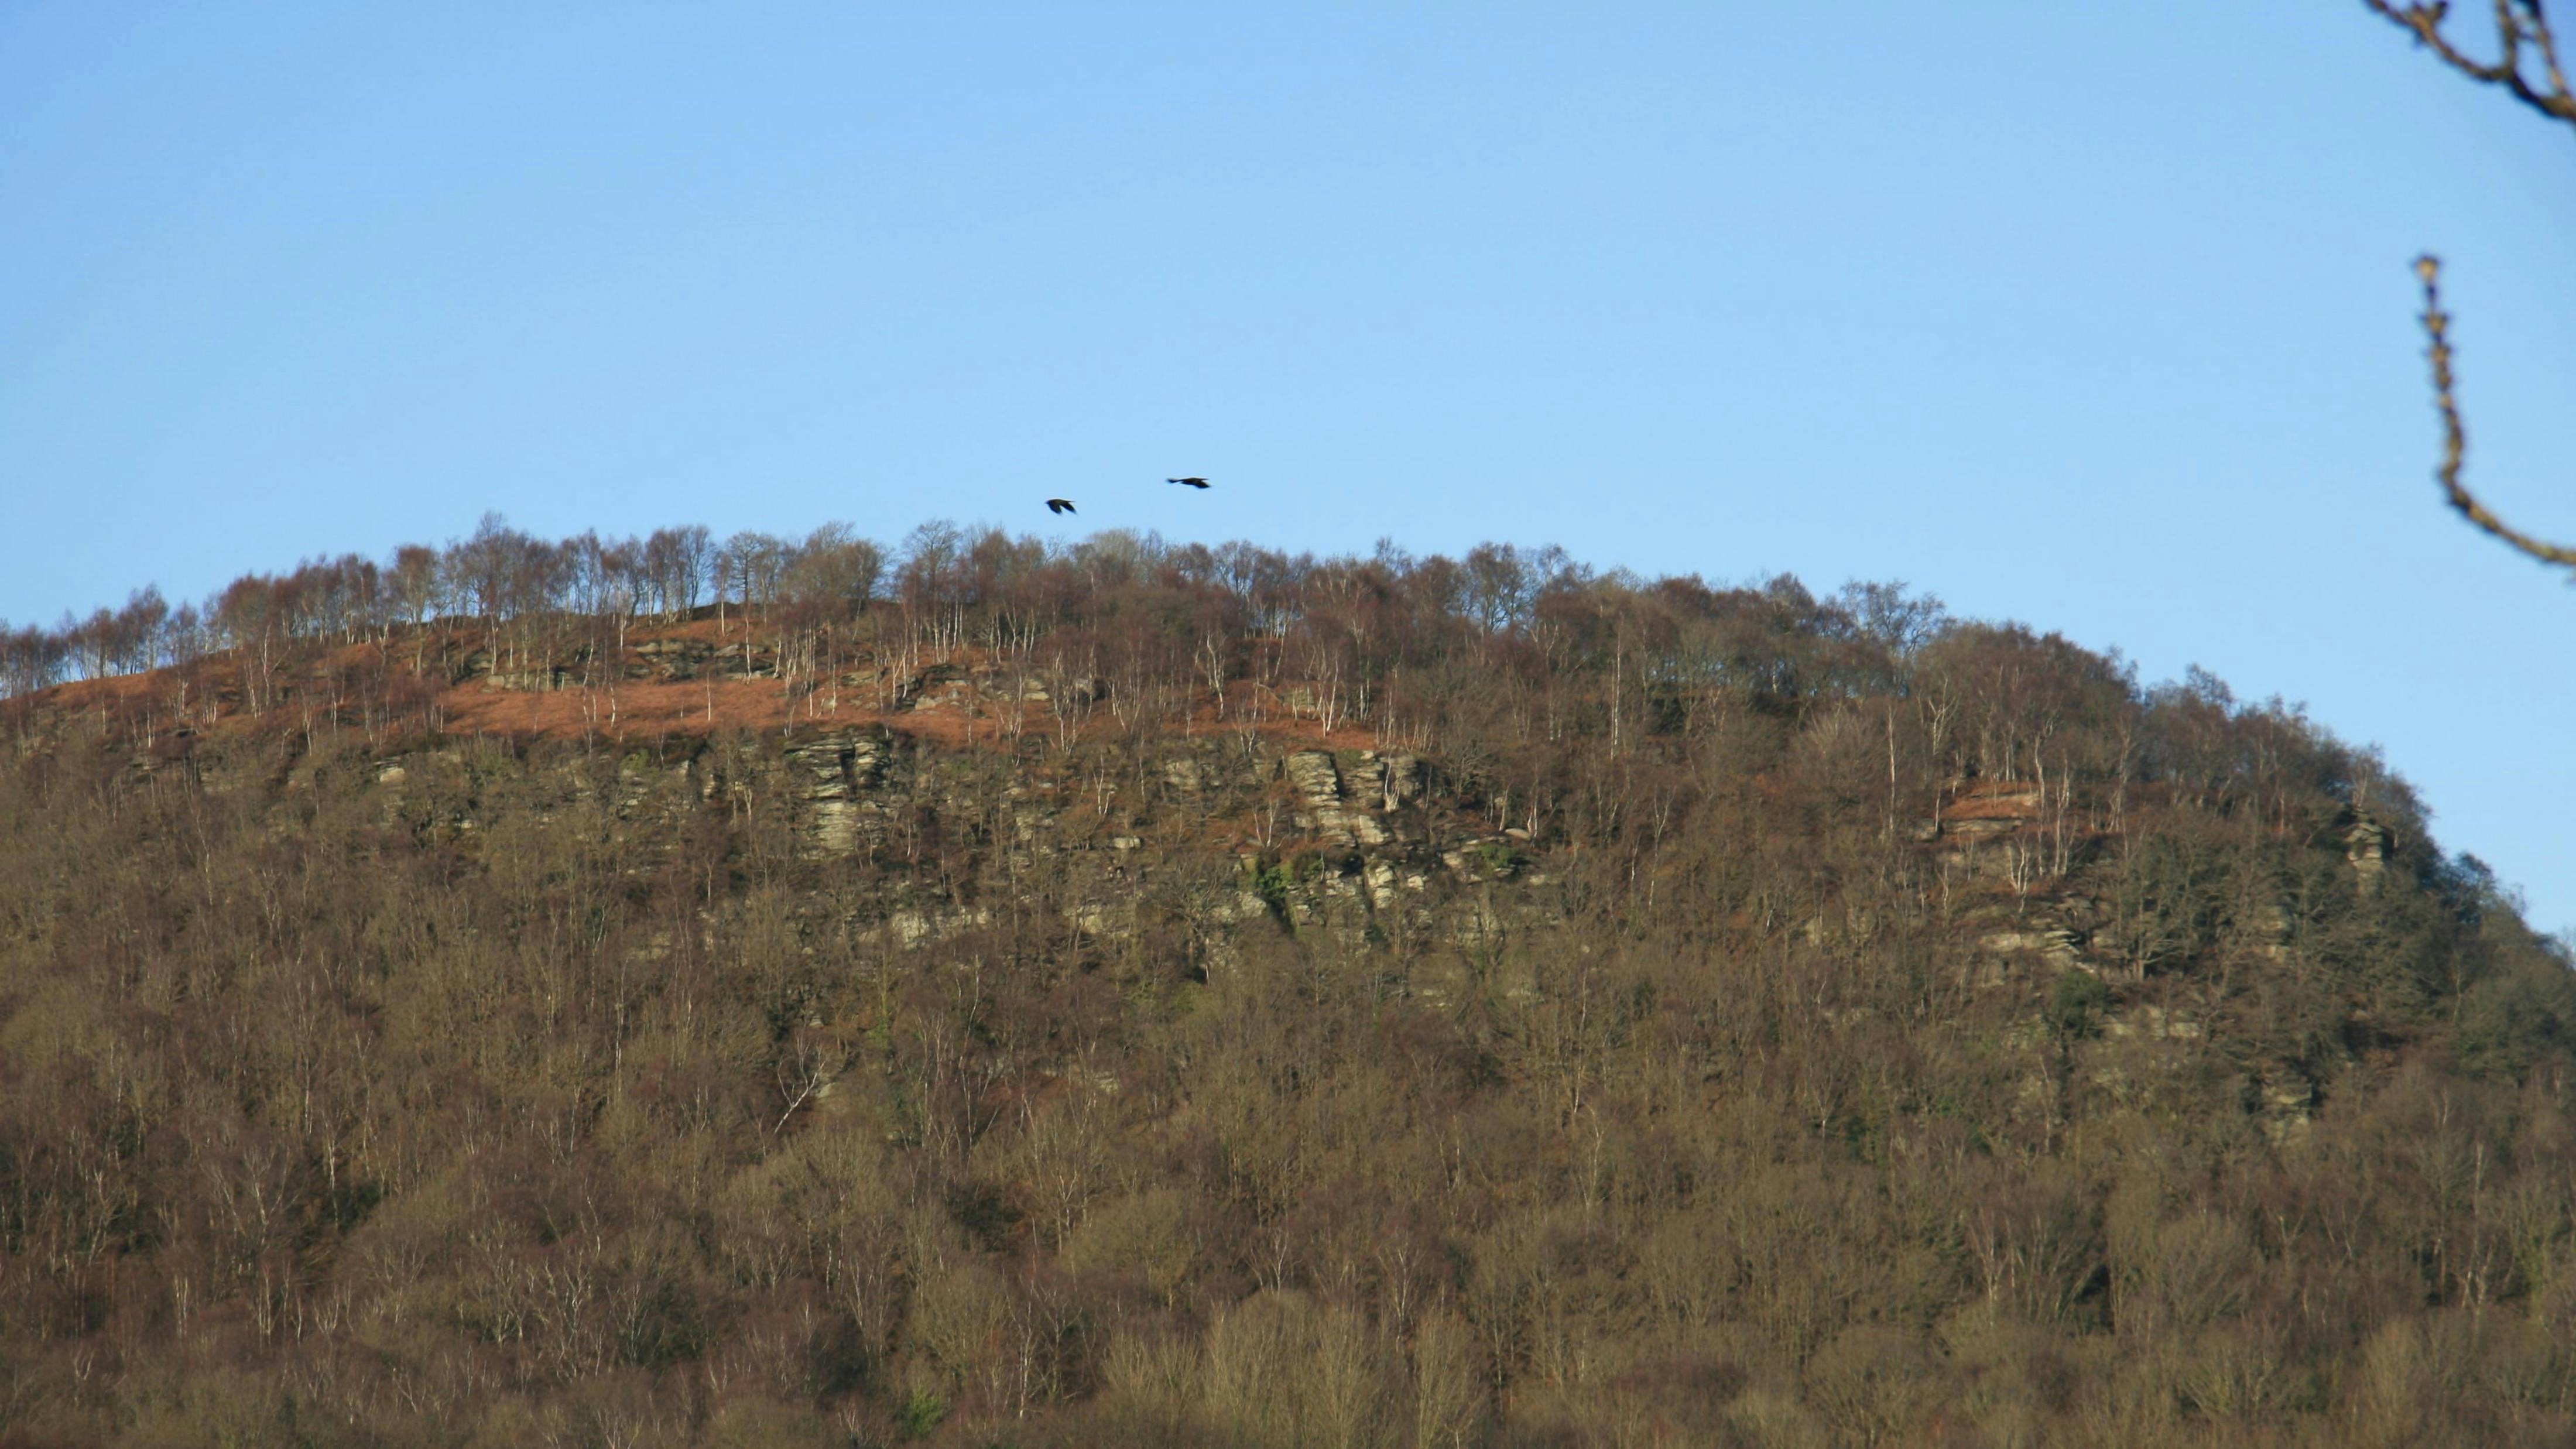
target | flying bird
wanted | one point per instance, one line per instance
(1059, 505)
(1188, 482)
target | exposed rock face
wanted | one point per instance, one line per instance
(2000, 828)
(2366, 847)
(939, 686)
(2153, 1022)
(830, 774)
(1112, 863)
(911, 928)
(1984, 808)
(1315, 776)
(1319, 785)
(1405, 780)
(1373, 856)
(2057, 945)
(2289, 1103)
(671, 658)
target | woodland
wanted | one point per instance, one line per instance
(684, 991)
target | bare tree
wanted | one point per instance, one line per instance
(415, 582)
(834, 565)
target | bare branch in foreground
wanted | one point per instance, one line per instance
(2455, 442)
(2519, 24)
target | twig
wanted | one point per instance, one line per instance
(2455, 442)
(2518, 22)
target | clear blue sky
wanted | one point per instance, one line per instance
(2093, 316)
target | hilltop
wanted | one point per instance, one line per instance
(656, 992)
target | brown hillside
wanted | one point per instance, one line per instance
(1107, 1005)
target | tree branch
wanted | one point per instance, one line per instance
(2518, 23)
(2455, 442)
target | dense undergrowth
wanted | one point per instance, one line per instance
(1796, 1021)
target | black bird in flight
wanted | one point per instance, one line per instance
(1188, 482)
(1059, 505)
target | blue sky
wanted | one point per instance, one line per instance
(2098, 317)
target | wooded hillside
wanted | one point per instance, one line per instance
(643, 993)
